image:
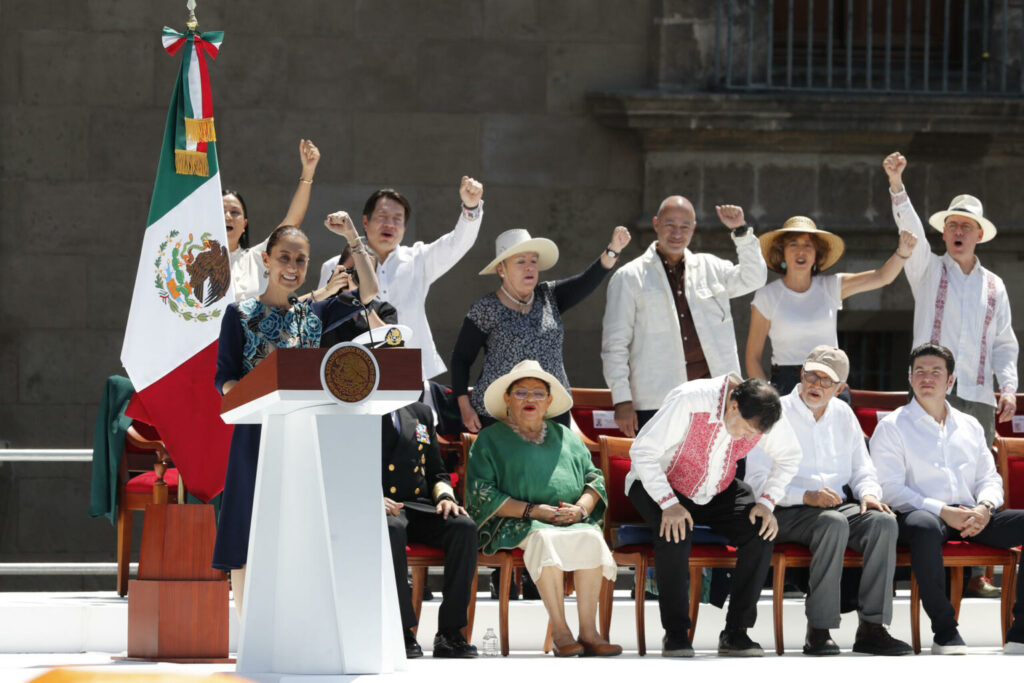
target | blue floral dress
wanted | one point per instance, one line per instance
(249, 332)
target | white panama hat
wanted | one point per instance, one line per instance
(518, 241)
(967, 206)
(494, 397)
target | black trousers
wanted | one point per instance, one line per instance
(924, 532)
(457, 537)
(727, 515)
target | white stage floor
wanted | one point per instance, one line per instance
(40, 631)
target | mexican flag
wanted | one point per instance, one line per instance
(183, 282)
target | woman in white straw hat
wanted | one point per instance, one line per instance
(799, 310)
(522, 319)
(531, 484)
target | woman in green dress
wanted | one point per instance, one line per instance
(532, 485)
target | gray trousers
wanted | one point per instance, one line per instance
(828, 533)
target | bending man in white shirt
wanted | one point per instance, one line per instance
(405, 273)
(937, 472)
(958, 303)
(816, 512)
(683, 472)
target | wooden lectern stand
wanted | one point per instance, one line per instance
(320, 597)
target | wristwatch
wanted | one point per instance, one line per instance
(740, 231)
(584, 515)
(611, 253)
(989, 505)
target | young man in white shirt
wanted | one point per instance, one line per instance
(958, 303)
(683, 472)
(938, 473)
(816, 512)
(667, 318)
(405, 273)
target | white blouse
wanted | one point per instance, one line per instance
(247, 271)
(800, 320)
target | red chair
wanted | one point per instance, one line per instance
(592, 411)
(420, 557)
(1010, 463)
(1005, 429)
(871, 406)
(144, 476)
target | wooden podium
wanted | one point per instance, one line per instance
(320, 597)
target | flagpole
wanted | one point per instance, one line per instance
(191, 23)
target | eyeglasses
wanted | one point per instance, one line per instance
(825, 382)
(535, 394)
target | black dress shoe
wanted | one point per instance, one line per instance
(819, 643)
(874, 639)
(734, 642)
(412, 648)
(452, 645)
(676, 645)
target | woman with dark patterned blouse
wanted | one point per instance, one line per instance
(250, 331)
(522, 319)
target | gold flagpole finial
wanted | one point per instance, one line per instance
(192, 22)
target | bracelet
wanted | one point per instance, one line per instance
(303, 180)
(471, 214)
(527, 510)
(904, 257)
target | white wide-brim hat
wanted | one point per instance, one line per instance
(801, 224)
(518, 241)
(494, 397)
(967, 206)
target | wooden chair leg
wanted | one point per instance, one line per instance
(696, 581)
(956, 589)
(504, 590)
(467, 632)
(605, 607)
(419, 582)
(778, 588)
(124, 548)
(640, 598)
(548, 640)
(1009, 588)
(915, 615)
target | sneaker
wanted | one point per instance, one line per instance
(1013, 647)
(452, 645)
(949, 644)
(735, 643)
(412, 648)
(981, 587)
(874, 639)
(819, 643)
(676, 645)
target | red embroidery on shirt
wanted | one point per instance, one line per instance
(738, 450)
(940, 306)
(899, 199)
(990, 311)
(768, 498)
(689, 466)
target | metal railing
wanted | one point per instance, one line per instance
(920, 47)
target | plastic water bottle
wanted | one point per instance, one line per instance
(490, 644)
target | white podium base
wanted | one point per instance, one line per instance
(320, 601)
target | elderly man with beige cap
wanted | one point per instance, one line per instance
(959, 304)
(816, 511)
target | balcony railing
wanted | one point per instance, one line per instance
(920, 47)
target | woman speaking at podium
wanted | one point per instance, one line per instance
(250, 331)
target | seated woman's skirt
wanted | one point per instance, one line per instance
(580, 546)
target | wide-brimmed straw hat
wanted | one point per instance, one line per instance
(518, 241)
(835, 243)
(967, 206)
(494, 397)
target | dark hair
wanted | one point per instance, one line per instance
(777, 250)
(547, 386)
(758, 402)
(387, 193)
(930, 349)
(243, 241)
(282, 230)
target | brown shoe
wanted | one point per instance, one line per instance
(570, 648)
(600, 649)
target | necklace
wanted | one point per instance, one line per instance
(522, 304)
(538, 440)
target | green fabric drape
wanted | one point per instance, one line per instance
(107, 444)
